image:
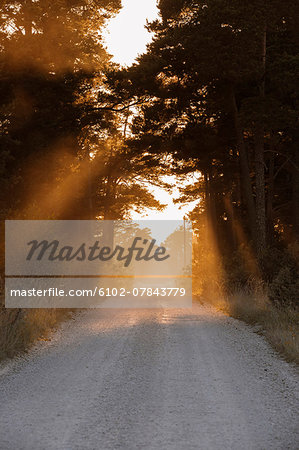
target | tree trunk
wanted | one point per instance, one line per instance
(213, 208)
(270, 197)
(229, 208)
(260, 191)
(296, 195)
(246, 181)
(108, 214)
(28, 18)
(260, 165)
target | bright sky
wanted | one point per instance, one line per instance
(172, 211)
(126, 37)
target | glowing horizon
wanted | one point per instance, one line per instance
(172, 211)
(126, 36)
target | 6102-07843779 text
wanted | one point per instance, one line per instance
(101, 292)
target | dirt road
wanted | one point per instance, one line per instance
(150, 379)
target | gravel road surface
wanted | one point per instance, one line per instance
(150, 379)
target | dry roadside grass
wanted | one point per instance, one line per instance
(279, 325)
(20, 328)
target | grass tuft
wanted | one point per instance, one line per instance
(280, 325)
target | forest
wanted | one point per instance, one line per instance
(214, 97)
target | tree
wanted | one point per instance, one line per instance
(51, 60)
(208, 93)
